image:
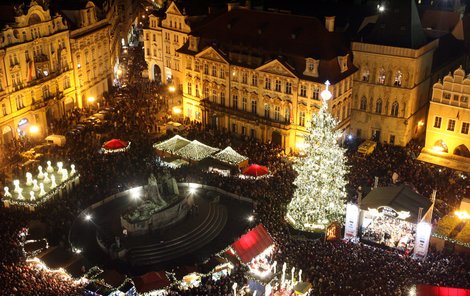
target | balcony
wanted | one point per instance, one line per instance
(246, 115)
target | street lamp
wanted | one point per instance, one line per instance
(177, 110)
(88, 217)
(91, 100)
(34, 129)
(171, 88)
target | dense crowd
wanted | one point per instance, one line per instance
(339, 268)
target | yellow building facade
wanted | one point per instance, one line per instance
(50, 64)
(37, 74)
(448, 124)
(242, 91)
(391, 91)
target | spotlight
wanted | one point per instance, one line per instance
(87, 217)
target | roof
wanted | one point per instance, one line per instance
(230, 156)
(428, 290)
(151, 281)
(196, 151)
(172, 145)
(264, 36)
(440, 20)
(399, 198)
(398, 26)
(252, 244)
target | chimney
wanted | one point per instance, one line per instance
(330, 23)
(232, 5)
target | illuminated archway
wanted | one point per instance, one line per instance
(440, 146)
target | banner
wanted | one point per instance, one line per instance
(423, 234)
(352, 221)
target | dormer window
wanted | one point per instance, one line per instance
(343, 63)
(311, 67)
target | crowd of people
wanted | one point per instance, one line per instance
(338, 268)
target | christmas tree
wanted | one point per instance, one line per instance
(320, 185)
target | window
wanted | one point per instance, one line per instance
(381, 76)
(214, 70)
(451, 125)
(245, 78)
(266, 111)
(302, 118)
(446, 96)
(278, 85)
(254, 107)
(197, 90)
(287, 115)
(197, 66)
(398, 77)
(365, 75)
(252, 133)
(148, 51)
(437, 122)
(277, 112)
(66, 82)
(235, 101)
(267, 83)
(206, 69)
(244, 103)
(303, 90)
(311, 67)
(214, 95)
(188, 64)
(222, 73)
(243, 131)
(288, 88)
(222, 98)
(464, 99)
(190, 89)
(234, 127)
(46, 92)
(167, 49)
(316, 93)
(206, 92)
(4, 110)
(456, 98)
(378, 106)
(363, 105)
(392, 139)
(394, 111)
(254, 80)
(465, 127)
(19, 102)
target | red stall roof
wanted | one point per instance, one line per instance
(428, 290)
(151, 281)
(253, 243)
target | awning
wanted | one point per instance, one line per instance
(428, 290)
(252, 244)
(399, 198)
(172, 145)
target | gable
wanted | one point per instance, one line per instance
(173, 9)
(211, 54)
(277, 68)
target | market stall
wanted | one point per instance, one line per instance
(196, 151)
(170, 146)
(231, 157)
(151, 282)
(115, 146)
(255, 170)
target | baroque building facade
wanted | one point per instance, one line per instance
(448, 124)
(53, 59)
(260, 74)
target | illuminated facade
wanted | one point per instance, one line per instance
(37, 79)
(92, 60)
(391, 88)
(448, 124)
(242, 84)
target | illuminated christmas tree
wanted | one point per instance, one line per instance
(320, 194)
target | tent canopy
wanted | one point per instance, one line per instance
(151, 281)
(172, 145)
(230, 156)
(429, 290)
(252, 244)
(399, 198)
(115, 144)
(196, 151)
(255, 170)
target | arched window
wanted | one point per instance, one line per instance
(381, 76)
(363, 105)
(398, 77)
(365, 75)
(378, 106)
(46, 92)
(394, 111)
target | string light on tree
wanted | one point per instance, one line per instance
(320, 185)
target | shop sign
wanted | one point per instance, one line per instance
(352, 220)
(387, 211)
(22, 122)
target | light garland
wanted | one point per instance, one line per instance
(320, 194)
(119, 150)
(196, 151)
(230, 156)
